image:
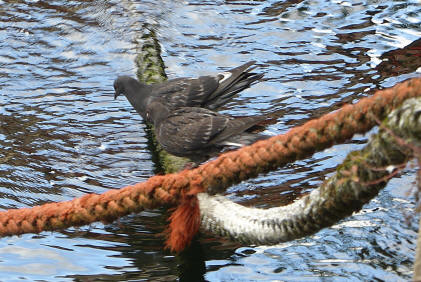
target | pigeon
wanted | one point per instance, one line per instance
(210, 91)
(199, 133)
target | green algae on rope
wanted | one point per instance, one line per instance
(151, 69)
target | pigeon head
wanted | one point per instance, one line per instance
(157, 111)
(123, 85)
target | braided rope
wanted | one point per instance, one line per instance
(356, 181)
(216, 175)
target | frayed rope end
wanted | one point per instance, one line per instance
(184, 224)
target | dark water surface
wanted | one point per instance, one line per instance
(62, 135)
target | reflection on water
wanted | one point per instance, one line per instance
(401, 61)
(62, 134)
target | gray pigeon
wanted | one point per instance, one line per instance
(211, 91)
(198, 133)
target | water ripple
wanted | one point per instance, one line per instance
(63, 135)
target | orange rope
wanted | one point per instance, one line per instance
(213, 176)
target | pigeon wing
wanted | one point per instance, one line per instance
(183, 92)
(190, 129)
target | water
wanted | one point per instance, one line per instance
(62, 135)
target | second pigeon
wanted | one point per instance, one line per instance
(198, 133)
